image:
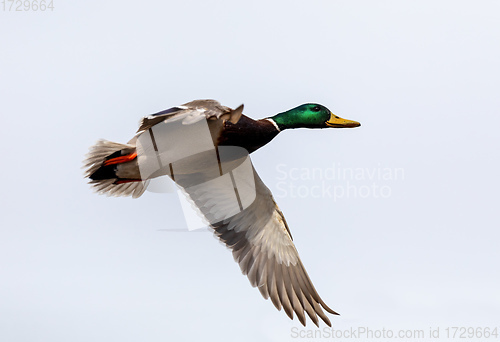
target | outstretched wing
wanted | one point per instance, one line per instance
(260, 240)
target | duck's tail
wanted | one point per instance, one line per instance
(113, 170)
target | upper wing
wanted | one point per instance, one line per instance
(192, 112)
(259, 238)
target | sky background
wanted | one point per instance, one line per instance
(422, 77)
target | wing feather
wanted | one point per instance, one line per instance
(192, 112)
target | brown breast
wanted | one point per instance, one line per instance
(247, 133)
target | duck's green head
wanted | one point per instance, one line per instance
(311, 115)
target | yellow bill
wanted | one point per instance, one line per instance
(338, 122)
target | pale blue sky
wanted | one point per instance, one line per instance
(422, 77)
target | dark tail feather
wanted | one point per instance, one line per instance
(104, 172)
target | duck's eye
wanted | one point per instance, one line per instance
(316, 109)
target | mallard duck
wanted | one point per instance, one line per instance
(204, 146)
